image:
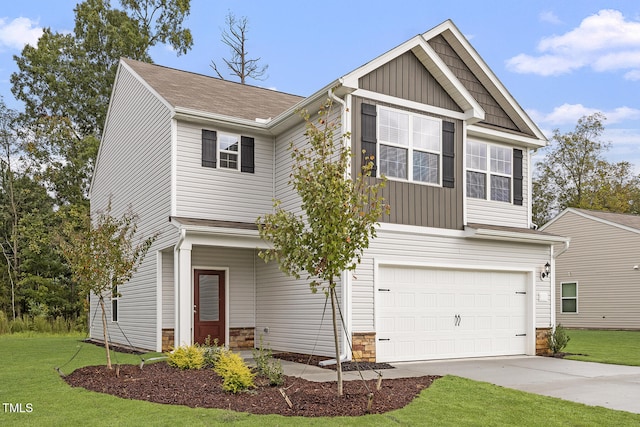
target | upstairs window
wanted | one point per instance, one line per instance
(490, 171)
(410, 146)
(227, 151)
(115, 295)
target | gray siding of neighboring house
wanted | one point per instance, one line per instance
(218, 193)
(414, 249)
(494, 114)
(600, 259)
(417, 204)
(134, 168)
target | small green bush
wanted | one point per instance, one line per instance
(211, 352)
(557, 339)
(41, 324)
(267, 366)
(19, 325)
(235, 374)
(186, 357)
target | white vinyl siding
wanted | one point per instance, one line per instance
(240, 265)
(440, 251)
(168, 290)
(292, 314)
(134, 169)
(221, 193)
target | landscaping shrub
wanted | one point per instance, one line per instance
(186, 357)
(41, 324)
(19, 325)
(557, 339)
(267, 366)
(235, 374)
(211, 352)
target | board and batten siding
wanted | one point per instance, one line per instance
(601, 260)
(219, 193)
(412, 203)
(134, 170)
(409, 248)
(241, 267)
(289, 317)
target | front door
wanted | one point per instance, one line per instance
(209, 312)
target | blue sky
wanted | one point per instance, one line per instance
(559, 59)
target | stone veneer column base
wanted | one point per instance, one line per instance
(542, 345)
(364, 346)
(167, 339)
(241, 338)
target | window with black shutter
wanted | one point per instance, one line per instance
(209, 149)
(228, 151)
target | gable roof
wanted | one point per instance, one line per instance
(627, 222)
(191, 91)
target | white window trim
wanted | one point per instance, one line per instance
(488, 173)
(220, 151)
(410, 147)
(563, 298)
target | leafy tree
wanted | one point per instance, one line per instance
(103, 257)
(574, 173)
(339, 219)
(65, 81)
(236, 38)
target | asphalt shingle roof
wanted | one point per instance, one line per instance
(213, 95)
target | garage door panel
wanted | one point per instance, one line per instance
(441, 313)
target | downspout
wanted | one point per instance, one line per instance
(346, 300)
(554, 256)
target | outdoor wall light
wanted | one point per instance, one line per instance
(546, 271)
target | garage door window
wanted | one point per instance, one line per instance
(569, 297)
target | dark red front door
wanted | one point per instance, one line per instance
(209, 313)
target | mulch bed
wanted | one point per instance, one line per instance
(161, 383)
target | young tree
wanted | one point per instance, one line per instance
(340, 214)
(574, 173)
(103, 257)
(239, 64)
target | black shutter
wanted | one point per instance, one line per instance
(209, 148)
(369, 135)
(448, 148)
(517, 177)
(247, 157)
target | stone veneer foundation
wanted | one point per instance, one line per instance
(241, 338)
(167, 339)
(364, 346)
(542, 345)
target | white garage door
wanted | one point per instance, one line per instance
(426, 313)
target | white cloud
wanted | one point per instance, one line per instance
(19, 32)
(568, 114)
(550, 17)
(606, 41)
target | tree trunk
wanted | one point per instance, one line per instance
(332, 292)
(104, 331)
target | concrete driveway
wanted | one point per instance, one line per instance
(595, 384)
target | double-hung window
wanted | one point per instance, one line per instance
(569, 296)
(410, 146)
(228, 147)
(228, 151)
(115, 295)
(489, 171)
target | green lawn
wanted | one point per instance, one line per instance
(27, 376)
(616, 347)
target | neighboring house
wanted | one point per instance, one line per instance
(597, 280)
(454, 270)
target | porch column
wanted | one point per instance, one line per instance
(183, 296)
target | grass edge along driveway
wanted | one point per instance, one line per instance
(27, 376)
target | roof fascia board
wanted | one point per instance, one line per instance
(192, 115)
(512, 236)
(449, 25)
(507, 137)
(377, 96)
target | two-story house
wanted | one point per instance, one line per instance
(455, 270)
